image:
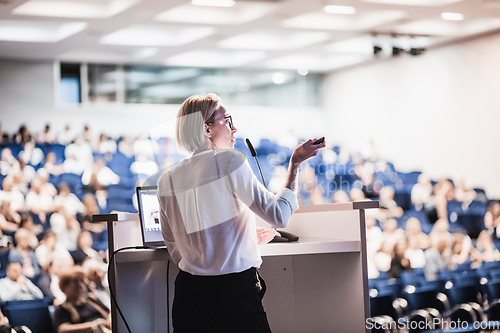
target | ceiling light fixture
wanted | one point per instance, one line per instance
(303, 71)
(345, 10)
(452, 16)
(214, 3)
(278, 78)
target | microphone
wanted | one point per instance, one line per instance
(281, 236)
(254, 154)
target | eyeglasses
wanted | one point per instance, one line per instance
(228, 121)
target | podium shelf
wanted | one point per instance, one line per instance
(310, 245)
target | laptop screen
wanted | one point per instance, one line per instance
(149, 216)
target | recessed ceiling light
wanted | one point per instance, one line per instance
(452, 16)
(302, 71)
(214, 3)
(278, 78)
(346, 10)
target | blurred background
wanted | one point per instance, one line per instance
(405, 92)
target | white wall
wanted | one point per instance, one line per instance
(438, 112)
(27, 97)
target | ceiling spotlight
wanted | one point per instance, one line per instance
(452, 16)
(278, 78)
(415, 51)
(302, 71)
(214, 3)
(396, 51)
(345, 10)
(376, 49)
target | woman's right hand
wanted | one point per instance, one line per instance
(306, 150)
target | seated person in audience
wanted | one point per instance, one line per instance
(72, 205)
(441, 227)
(388, 206)
(90, 137)
(357, 195)
(421, 192)
(66, 227)
(4, 324)
(80, 312)
(66, 136)
(144, 166)
(492, 219)
(485, 250)
(23, 135)
(48, 282)
(81, 152)
(37, 202)
(84, 248)
(341, 197)
(6, 243)
(8, 162)
(444, 191)
(49, 250)
(414, 252)
(464, 194)
(51, 166)
(126, 146)
(23, 176)
(17, 287)
(461, 249)
(9, 219)
(23, 254)
(144, 146)
(316, 197)
(47, 136)
(383, 257)
(399, 262)
(31, 154)
(21, 182)
(46, 187)
(364, 171)
(95, 275)
(12, 194)
(438, 256)
(278, 179)
(90, 208)
(34, 230)
(413, 228)
(97, 178)
(374, 237)
(307, 178)
(391, 233)
(106, 145)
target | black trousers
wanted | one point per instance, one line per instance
(230, 303)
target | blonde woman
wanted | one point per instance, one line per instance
(208, 205)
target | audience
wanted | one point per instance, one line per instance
(63, 222)
(17, 287)
(50, 249)
(97, 285)
(399, 262)
(79, 312)
(23, 255)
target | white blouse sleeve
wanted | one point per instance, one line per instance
(275, 209)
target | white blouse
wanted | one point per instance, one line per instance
(207, 207)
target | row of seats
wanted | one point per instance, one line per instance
(462, 294)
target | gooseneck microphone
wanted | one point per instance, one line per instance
(254, 154)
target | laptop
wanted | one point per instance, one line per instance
(149, 216)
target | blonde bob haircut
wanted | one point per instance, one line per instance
(195, 112)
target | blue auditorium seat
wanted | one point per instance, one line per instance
(58, 149)
(74, 181)
(4, 260)
(33, 314)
